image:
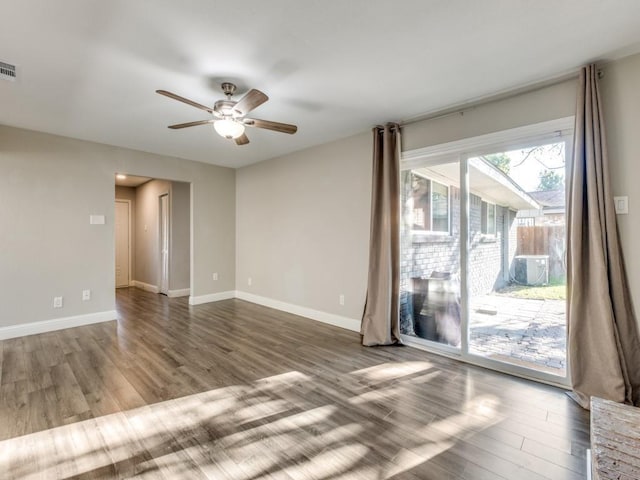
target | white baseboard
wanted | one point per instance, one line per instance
(320, 316)
(146, 286)
(211, 297)
(184, 292)
(33, 328)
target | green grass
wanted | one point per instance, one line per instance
(547, 292)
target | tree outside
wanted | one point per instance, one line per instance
(550, 180)
(501, 161)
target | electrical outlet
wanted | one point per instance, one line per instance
(341, 299)
(215, 276)
(249, 281)
(86, 295)
(57, 302)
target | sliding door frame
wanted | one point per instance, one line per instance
(560, 130)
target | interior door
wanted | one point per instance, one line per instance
(164, 244)
(122, 243)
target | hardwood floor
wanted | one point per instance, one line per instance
(233, 390)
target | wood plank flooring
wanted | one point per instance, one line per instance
(233, 390)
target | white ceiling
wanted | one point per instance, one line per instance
(89, 69)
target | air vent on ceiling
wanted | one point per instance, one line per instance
(7, 72)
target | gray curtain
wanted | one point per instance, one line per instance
(604, 350)
(381, 318)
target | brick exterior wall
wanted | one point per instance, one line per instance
(490, 257)
(486, 253)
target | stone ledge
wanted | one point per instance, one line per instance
(615, 440)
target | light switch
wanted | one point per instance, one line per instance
(621, 204)
(96, 219)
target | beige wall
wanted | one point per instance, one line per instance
(49, 185)
(557, 101)
(303, 227)
(620, 88)
(126, 193)
(129, 193)
(179, 273)
(147, 228)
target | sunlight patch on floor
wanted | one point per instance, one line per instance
(244, 432)
(390, 371)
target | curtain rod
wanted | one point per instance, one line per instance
(471, 104)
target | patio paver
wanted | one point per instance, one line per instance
(530, 333)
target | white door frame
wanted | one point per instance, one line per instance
(128, 202)
(164, 219)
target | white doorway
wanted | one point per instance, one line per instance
(164, 244)
(159, 231)
(123, 243)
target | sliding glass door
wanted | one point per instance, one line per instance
(517, 280)
(483, 242)
(430, 253)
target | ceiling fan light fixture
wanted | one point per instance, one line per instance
(228, 128)
(229, 117)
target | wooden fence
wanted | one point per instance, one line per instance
(545, 240)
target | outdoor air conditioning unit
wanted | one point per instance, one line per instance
(531, 269)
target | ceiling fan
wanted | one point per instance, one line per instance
(229, 116)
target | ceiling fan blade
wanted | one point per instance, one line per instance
(191, 124)
(275, 126)
(242, 139)
(254, 98)
(185, 100)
